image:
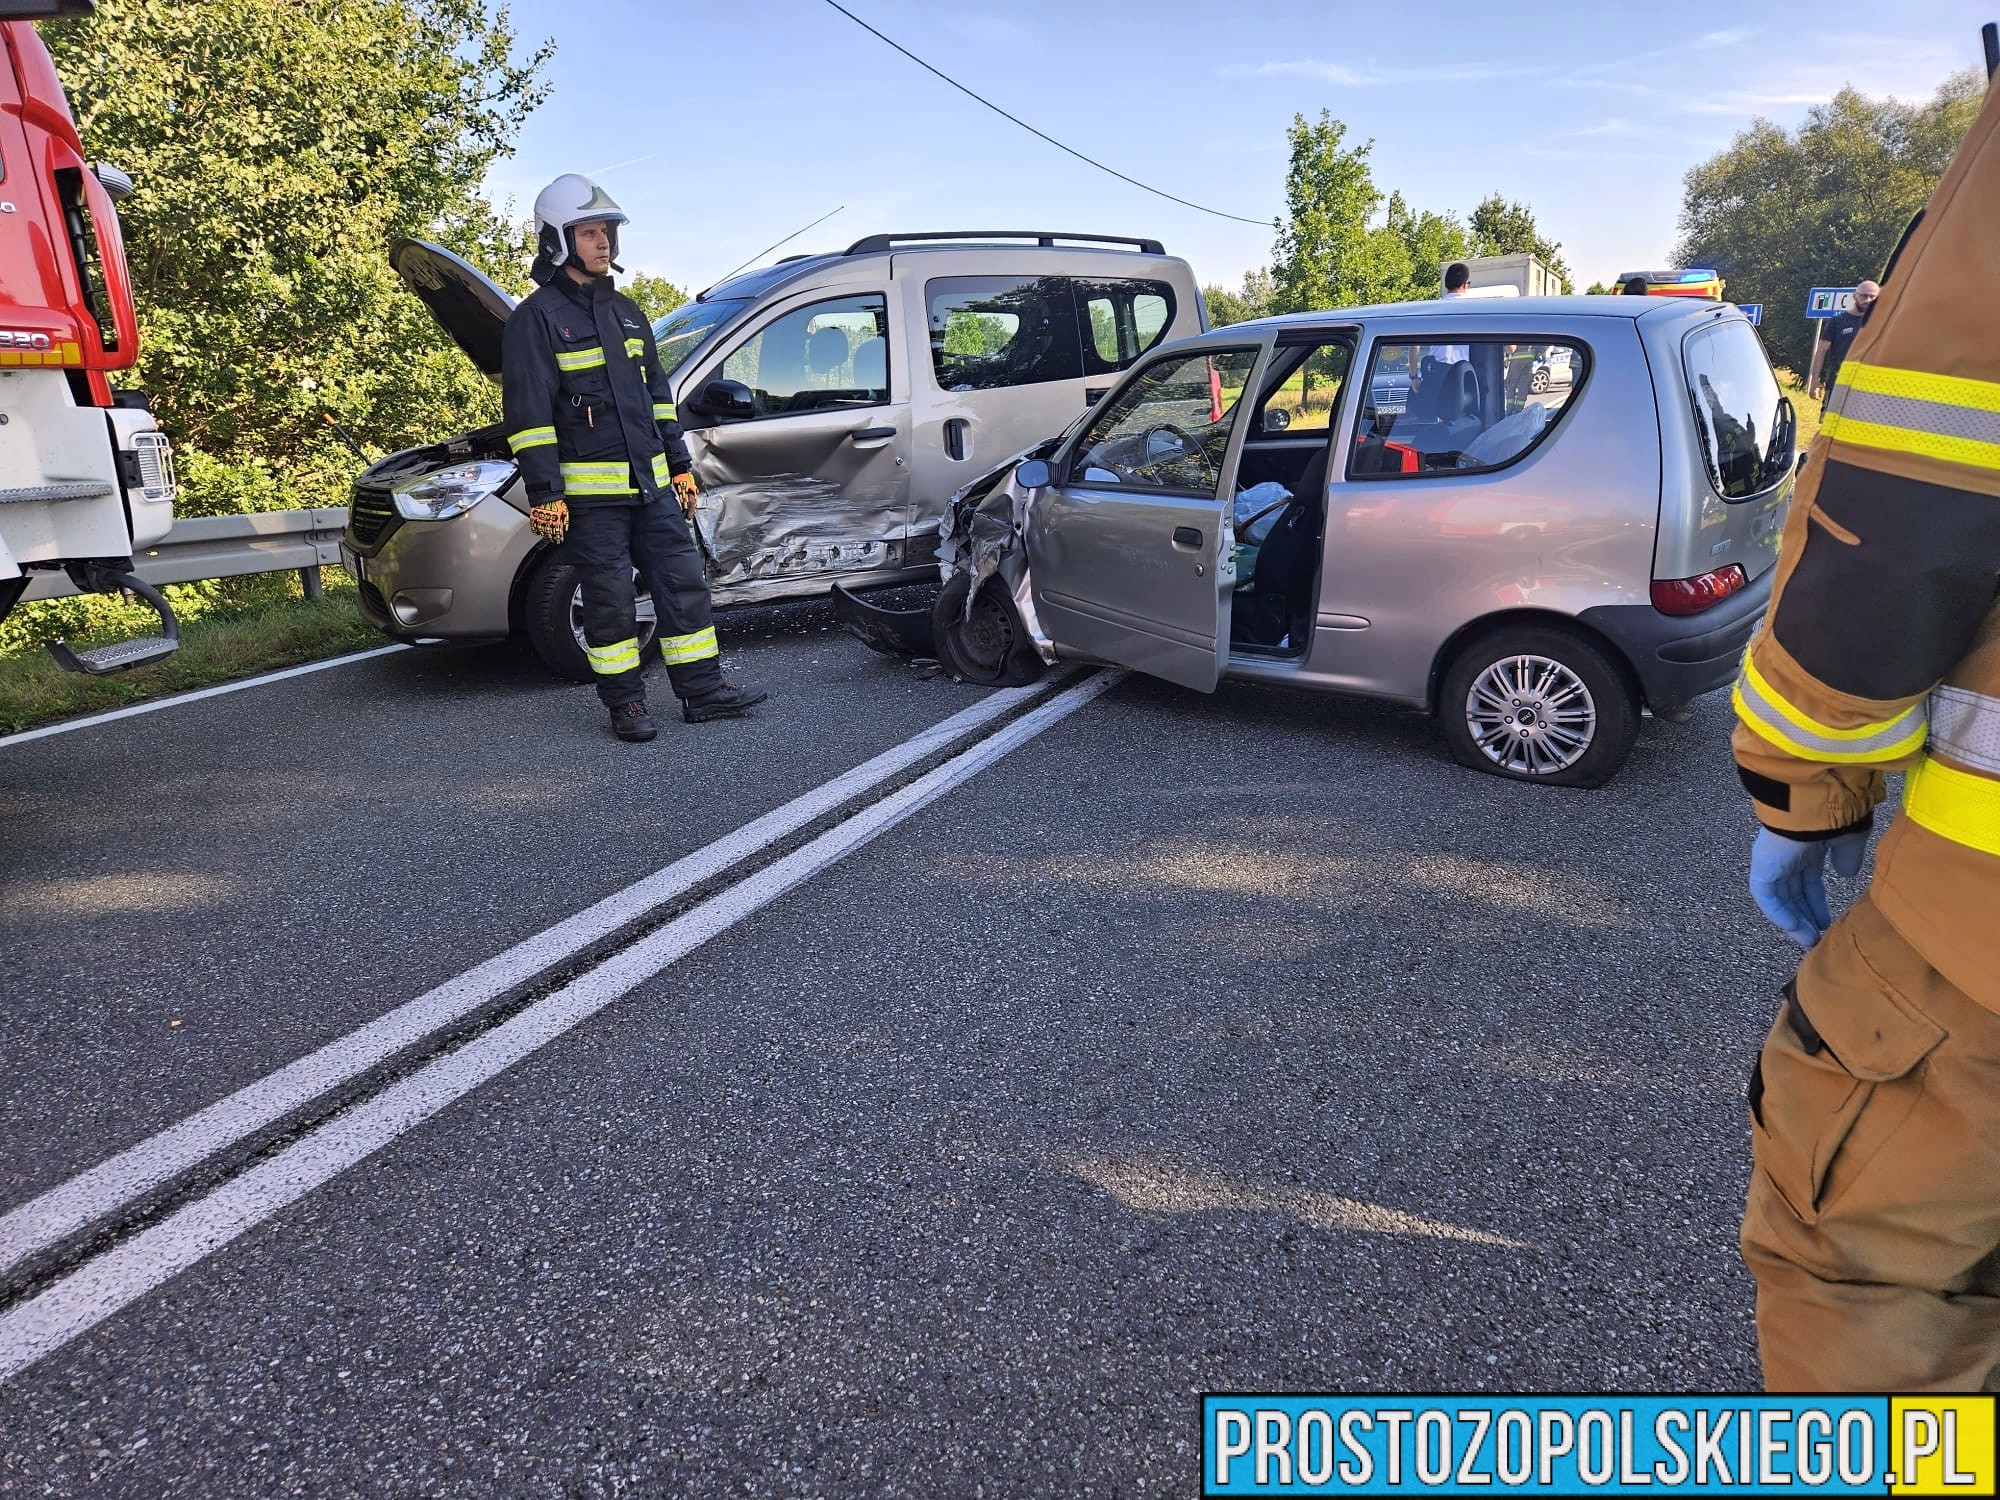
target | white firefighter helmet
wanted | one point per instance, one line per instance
(570, 200)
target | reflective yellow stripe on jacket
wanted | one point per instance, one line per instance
(663, 474)
(598, 479)
(665, 411)
(679, 649)
(1946, 417)
(531, 437)
(609, 661)
(579, 359)
(1954, 804)
(1962, 805)
(1763, 709)
(635, 348)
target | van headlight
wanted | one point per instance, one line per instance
(445, 493)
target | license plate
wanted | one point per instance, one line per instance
(352, 562)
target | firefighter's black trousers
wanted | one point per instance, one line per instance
(606, 542)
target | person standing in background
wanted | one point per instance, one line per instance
(1832, 349)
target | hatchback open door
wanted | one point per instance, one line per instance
(1131, 554)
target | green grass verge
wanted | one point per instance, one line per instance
(279, 633)
(1806, 408)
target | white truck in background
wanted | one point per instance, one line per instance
(1520, 275)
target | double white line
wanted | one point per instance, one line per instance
(130, 1269)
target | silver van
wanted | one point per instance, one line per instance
(832, 404)
(1400, 502)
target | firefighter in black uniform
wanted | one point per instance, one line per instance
(590, 417)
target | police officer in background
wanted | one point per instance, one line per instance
(590, 418)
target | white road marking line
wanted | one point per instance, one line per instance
(156, 704)
(122, 1275)
(72, 1206)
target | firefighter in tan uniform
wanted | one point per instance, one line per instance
(1873, 1221)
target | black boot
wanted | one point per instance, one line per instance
(630, 721)
(727, 700)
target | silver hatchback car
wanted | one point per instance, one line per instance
(1398, 502)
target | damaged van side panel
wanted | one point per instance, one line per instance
(819, 501)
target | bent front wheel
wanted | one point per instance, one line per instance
(988, 643)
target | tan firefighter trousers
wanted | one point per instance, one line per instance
(1873, 1225)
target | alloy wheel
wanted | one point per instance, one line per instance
(646, 616)
(1531, 715)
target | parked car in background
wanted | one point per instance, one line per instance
(1533, 568)
(832, 404)
(1551, 367)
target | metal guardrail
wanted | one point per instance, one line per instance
(198, 547)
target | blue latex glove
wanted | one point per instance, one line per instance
(1788, 879)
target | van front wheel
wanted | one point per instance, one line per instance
(552, 613)
(1538, 704)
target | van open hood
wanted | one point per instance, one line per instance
(467, 303)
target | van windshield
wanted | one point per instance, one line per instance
(691, 325)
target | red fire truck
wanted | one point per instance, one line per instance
(86, 476)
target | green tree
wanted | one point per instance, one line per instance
(1500, 227)
(1778, 212)
(1251, 302)
(279, 146)
(1598, 289)
(655, 295)
(1329, 252)
(1433, 241)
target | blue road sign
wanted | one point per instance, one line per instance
(1829, 301)
(1754, 311)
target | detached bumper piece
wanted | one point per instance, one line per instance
(893, 632)
(122, 656)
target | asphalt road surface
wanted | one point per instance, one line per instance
(1186, 1043)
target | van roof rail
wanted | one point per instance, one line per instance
(1043, 237)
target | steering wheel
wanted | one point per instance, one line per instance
(1190, 448)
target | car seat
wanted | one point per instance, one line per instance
(871, 365)
(1445, 415)
(826, 352)
(1278, 602)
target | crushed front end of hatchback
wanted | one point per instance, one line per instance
(982, 625)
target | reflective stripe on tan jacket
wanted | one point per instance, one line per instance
(1881, 651)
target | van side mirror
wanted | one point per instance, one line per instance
(1032, 475)
(729, 400)
(1276, 419)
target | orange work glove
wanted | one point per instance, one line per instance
(690, 496)
(550, 521)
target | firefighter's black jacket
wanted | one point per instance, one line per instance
(588, 411)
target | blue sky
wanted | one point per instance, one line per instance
(721, 127)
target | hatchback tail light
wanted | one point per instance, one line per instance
(1690, 596)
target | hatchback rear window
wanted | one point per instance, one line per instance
(1466, 405)
(1742, 421)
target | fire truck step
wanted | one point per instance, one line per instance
(46, 494)
(119, 656)
(122, 656)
